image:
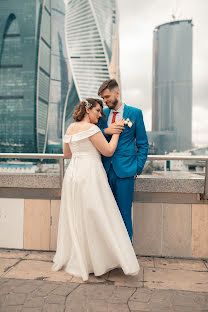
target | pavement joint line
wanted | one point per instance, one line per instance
(143, 279)
(9, 268)
(206, 264)
(176, 269)
(42, 260)
(73, 291)
(130, 298)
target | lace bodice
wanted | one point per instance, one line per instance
(80, 143)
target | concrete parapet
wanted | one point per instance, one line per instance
(169, 218)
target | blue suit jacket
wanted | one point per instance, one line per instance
(131, 152)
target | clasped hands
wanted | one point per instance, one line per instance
(115, 128)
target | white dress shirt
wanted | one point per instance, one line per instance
(118, 116)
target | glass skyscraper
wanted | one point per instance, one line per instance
(25, 65)
(92, 45)
(40, 83)
(172, 81)
(60, 78)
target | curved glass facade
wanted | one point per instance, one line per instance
(43, 74)
(24, 74)
(90, 34)
(172, 81)
(51, 56)
(60, 77)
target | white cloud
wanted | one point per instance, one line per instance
(200, 136)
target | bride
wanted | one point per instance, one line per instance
(92, 237)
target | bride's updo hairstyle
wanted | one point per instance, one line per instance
(80, 109)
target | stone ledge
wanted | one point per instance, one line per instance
(162, 184)
(29, 181)
(144, 184)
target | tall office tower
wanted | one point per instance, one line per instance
(60, 80)
(172, 81)
(40, 83)
(25, 57)
(92, 45)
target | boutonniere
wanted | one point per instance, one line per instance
(128, 122)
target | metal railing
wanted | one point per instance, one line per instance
(60, 158)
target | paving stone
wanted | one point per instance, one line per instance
(12, 254)
(162, 297)
(139, 306)
(32, 309)
(64, 290)
(28, 269)
(185, 309)
(188, 299)
(55, 299)
(97, 306)
(146, 261)
(178, 264)
(35, 269)
(25, 288)
(5, 289)
(176, 279)
(2, 299)
(5, 264)
(14, 283)
(206, 263)
(34, 302)
(75, 306)
(11, 308)
(40, 255)
(3, 281)
(53, 308)
(88, 306)
(176, 286)
(45, 289)
(121, 279)
(142, 295)
(121, 294)
(14, 299)
(90, 292)
(117, 307)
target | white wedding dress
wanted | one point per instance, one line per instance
(92, 237)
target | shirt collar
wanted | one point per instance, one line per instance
(120, 110)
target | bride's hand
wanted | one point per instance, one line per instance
(115, 128)
(120, 122)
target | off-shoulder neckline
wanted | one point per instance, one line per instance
(68, 135)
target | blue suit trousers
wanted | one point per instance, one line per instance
(123, 190)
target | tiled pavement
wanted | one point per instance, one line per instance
(27, 284)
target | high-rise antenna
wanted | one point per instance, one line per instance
(174, 14)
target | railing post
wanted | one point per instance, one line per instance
(206, 182)
(61, 164)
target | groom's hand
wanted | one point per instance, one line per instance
(115, 128)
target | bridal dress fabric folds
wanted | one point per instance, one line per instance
(92, 237)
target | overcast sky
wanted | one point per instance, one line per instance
(138, 18)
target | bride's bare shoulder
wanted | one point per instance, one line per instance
(77, 127)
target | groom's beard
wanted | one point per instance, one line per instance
(114, 103)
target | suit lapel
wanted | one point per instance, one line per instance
(125, 112)
(107, 112)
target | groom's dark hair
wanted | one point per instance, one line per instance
(108, 84)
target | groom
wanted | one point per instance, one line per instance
(131, 153)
